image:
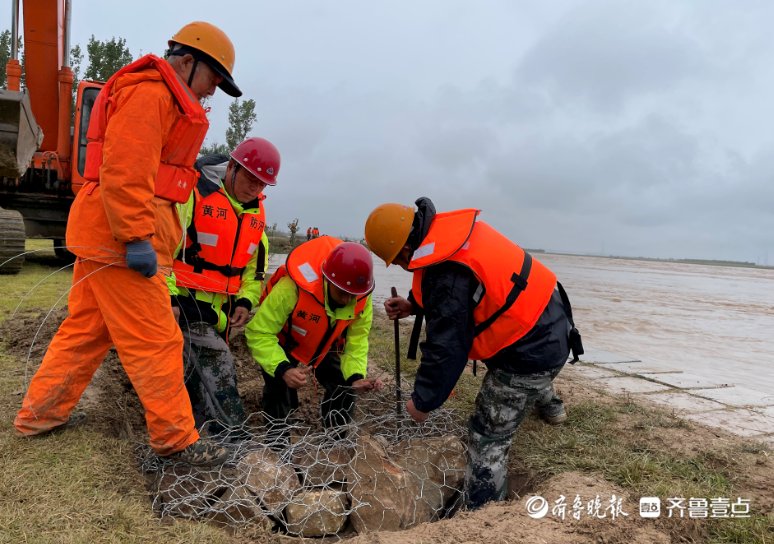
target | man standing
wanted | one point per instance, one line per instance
(485, 299)
(146, 129)
(318, 300)
(218, 275)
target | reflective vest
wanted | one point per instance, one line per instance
(307, 336)
(176, 177)
(515, 287)
(219, 245)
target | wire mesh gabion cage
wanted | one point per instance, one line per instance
(381, 471)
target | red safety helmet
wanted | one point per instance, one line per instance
(260, 158)
(350, 268)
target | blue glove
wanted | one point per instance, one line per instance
(141, 257)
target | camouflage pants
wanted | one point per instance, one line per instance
(210, 377)
(503, 402)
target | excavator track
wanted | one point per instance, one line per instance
(12, 239)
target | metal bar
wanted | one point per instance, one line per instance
(15, 30)
(66, 45)
(397, 361)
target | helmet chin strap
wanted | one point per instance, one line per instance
(233, 180)
(193, 71)
(333, 303)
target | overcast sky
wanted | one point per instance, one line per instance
(637, 128)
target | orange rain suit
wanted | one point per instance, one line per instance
(110, 304)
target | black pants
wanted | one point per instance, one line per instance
(336, 406)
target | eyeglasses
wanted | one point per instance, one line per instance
(254, 180)
(215, 78)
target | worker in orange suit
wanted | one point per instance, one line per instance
(145, 132)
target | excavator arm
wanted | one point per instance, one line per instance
(42, 151)
(48, 79)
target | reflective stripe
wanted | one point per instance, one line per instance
(299, 330)
(307, 271)
(208, 239)
(251, 248)
(424, 251)
(478, 293)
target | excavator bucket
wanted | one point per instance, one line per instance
(20, 135)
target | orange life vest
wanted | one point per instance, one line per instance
(219, 245)
(176, 177)
(515, 286)
(307, 336)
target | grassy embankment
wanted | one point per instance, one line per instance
(83, 486)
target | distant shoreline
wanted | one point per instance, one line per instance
(279, 243)
(709, 262)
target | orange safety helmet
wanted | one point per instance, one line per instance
(259, 157)
(350, 268)
(217, 48)
(387, 229)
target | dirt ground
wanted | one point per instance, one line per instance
(112, 408)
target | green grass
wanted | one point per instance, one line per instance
(759, 529)
(43, 283)
(596, 439)
(78, 486)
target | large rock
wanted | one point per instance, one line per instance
(323, 467)
(186, 491)
(238, 506)
(406, 484)
(267, 477)
(317, 513)
(437, 468)
(376, 487)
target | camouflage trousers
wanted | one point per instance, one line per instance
(210, 377)
(503, 402)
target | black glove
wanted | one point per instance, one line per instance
(141, 257)
(576, 345)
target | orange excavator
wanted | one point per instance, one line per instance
(42, 144)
